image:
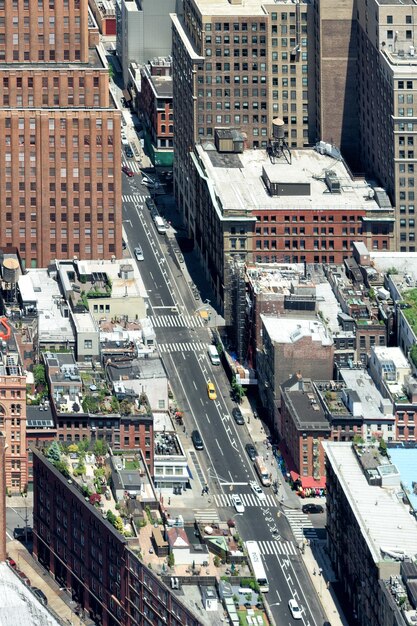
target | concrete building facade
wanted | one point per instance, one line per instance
(143, 31)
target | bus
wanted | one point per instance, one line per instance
(256, 564)
(262, 470)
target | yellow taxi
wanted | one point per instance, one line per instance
(211, 390)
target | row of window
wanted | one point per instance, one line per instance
(41, 55)
(53, 217)
(62, 123)
(243, 26)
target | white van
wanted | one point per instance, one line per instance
(214, 355)
(160, 225)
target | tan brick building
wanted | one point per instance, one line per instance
(239, 64)
(60, 166)
(13, 415)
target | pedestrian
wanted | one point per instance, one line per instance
(169, 501)
(314, 572)
(267, 455)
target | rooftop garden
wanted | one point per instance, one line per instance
(86, 465)
(410, 297)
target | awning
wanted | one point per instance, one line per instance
(127, 95)
(308, 482)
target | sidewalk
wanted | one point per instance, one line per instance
(59, 602)
(315, 558)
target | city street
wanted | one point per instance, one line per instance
(183, 339)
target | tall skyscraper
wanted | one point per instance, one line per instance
(239, 64)
(60, 165)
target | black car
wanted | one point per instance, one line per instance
(150, 204)
(238, 417)
(42, 597)
(129, 152)
(312, 508)
(21, 534)
(197, 441)
(252, 451)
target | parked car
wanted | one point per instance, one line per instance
(139, 253)
(11, 562)
(150, 204)
(211, 390)
(252, 451)
(21, 534)
(312, 508)
(42, 597)
(129, 152)
(237, 503)
(237, 416)
(294, 608)
(23, 576)
(197, 441)
(126, 170)
(257, 490)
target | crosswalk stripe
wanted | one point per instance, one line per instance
(182, 347)
(248, 500)
(278, 548)
(134, 198)
(183, 321)
(301, 525)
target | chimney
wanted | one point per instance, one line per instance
(3, 446)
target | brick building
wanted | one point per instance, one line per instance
(302, 207)
(60, 179)
(155, 104)
(87, 555)
(291, 345)
(13, 411)
(304, 427)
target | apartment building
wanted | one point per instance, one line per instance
(60, 175)
(99, 565)
(304, 206)
(387, 97)
(13, 410)
(336, 59)
(155, 104)
(238, 64)
(372, 532)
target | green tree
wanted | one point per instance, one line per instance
(62, 466)
(100, 447)
(39, 375)
(383, 447)
(54, 452)
(89, 404)
(171, 559)
(125, 407)
(238, 391)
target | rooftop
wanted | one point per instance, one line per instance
(40, 293)
(301, 397)
(290, 330)
(162, 86)
(373, 404)
(226, 8)
(237, 181)
(385, 522)
(19, 605)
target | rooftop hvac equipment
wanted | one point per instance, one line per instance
(332, 181)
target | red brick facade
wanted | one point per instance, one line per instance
(60, 174)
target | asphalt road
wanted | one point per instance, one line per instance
(15, 517)
(183, 340)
